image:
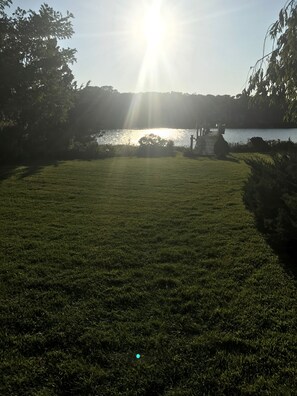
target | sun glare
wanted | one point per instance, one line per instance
(154, 28)
(155, 35)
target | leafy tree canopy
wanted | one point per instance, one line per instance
(36, 82)
(277, 78)
(3, 4)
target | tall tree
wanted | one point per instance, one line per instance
(278, 80)
(36, 82)
(3, 4)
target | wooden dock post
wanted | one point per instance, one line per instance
(192, 140)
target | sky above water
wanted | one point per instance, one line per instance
(193, 46)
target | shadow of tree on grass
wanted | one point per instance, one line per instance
(228, 158)
(6, 171)
(289, 263)
(286, 252)
(34, 168)
(23, 170)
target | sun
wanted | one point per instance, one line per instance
(154, 28)
(151, 36)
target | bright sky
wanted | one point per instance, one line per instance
(194, 46)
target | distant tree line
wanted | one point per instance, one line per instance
(44, 114)
(106, 108)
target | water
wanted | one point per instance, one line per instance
(181, 137)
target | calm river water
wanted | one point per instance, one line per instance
(181, 137)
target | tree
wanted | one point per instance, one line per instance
(94, 111)
(36, 82)
(278, 80)
(3, 4)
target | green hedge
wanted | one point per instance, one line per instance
(271, 194)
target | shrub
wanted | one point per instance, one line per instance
(282, 146)
(89, 150)
(271, 194)
(221, 147)
(154, 146)
(257, 144)
(272, 146)
(240, 148)
(190, 153)
(125, 150)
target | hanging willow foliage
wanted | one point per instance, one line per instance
(275, 75)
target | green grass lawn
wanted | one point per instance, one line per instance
(105, 259)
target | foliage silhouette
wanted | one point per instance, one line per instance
(264, 146)
(36, 83)
(154, 146)
(271, 194)
(257, 144)
(277, 83)
(221, 148)
(97, 109)
(44, 115)
(25, 169)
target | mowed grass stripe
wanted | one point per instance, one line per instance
(101, 260)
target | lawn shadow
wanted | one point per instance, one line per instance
(287, 257)
(6, 171)
(23, 170)
(286, 252)
(33, 168)
(228, 158)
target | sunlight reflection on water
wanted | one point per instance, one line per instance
(181, 137)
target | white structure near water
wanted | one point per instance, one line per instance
(206, 139)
